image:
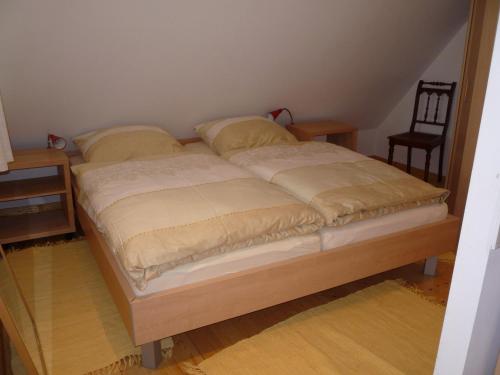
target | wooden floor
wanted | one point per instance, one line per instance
(199, 344)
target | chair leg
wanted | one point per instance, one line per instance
(391, 153)
(408, 160)
(441, 157)
(427, 164)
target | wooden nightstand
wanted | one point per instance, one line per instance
(28, 226)
(336, 132)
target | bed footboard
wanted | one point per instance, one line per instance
(177, 310)
(181, 309)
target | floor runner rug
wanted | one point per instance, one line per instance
(383, 329)
(79, 325)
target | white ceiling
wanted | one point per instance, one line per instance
(70, 66)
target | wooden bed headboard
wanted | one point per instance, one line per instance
(185, 141)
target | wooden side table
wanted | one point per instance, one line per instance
(336, 132)
(28, 226)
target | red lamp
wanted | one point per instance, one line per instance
(275, 114)
(54, 141)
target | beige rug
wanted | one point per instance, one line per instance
(80, 328)
(384, 329)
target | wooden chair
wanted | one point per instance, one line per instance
(427, 141)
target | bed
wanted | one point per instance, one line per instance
(229, 285)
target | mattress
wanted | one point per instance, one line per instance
(231, 262)
(332, 237)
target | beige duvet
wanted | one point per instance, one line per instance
(341, 184)
(161, 212)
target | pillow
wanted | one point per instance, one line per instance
(241, 133)
(126, 142)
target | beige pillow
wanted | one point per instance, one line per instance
(126, 142)
(242, 133)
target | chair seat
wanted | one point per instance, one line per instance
(416, 139)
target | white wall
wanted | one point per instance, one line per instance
(484, 346)
(446, 67)
(470, 340)
(71, 66)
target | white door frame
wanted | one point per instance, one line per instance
(478, 239)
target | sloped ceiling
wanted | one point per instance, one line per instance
(70, 66)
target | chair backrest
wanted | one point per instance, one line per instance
(430, 107)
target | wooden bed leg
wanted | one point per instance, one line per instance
(151, 354)
(431, 266)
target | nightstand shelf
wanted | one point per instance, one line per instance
(336, 132)
(14, 228)
(33, 187)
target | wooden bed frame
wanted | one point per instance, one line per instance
(162, 314)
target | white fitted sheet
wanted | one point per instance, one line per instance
(231, 262)
(332, 237)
